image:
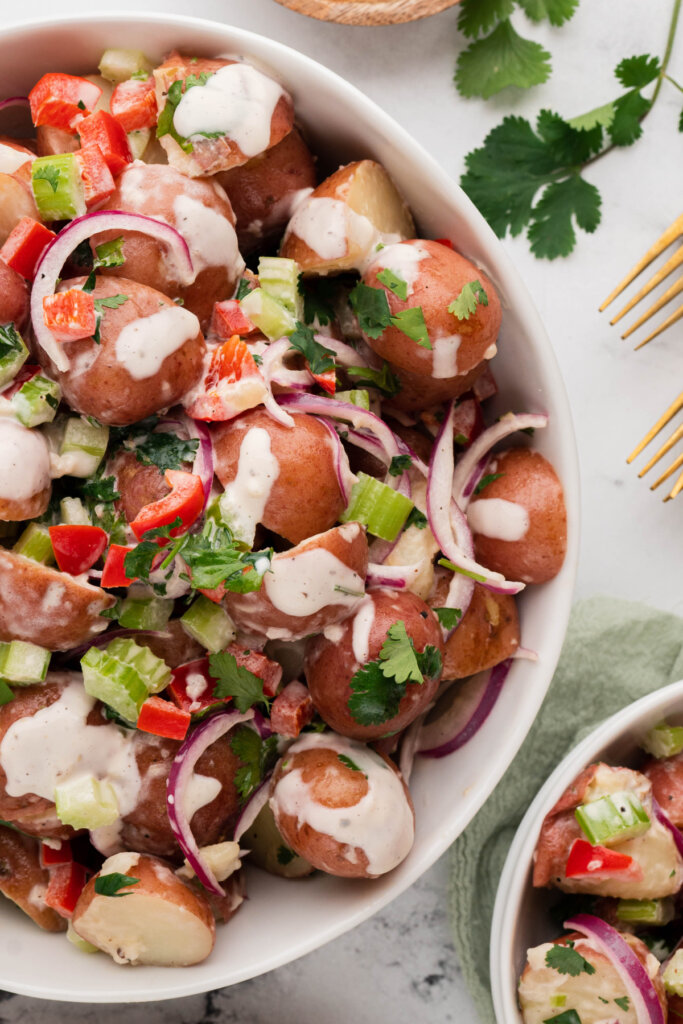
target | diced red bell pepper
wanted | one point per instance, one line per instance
(134, 105)
(77, 547)
(100, 129)
(25, 245)
(445, 241)
(231, 361)
(113, 574)
(232, 385)
(70, 315)
(326, 380)
(51, 857)
(292, 710)
(162, 718)
(62, 100)
(485, 385)
(468, 420)
(98, 182)
(186, 500)
(588, 861)
(228, 319)
(66, 884)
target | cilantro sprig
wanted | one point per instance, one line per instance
(471, 295)
(385, 380)
(109, 885)
(257, 757)
(566, 960)
(233, 680)
(371, 306)
(162, 449)
(319, 358)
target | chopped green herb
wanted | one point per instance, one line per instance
(243, 288)
(110, 302)
(257, 757)
(257, 358)
(49, 174)
(486, 480)
(348, 763)
(109, 254)
(109, 885)
(319, 358)
(385, 380)
(448, 617)
(162, 449)
(623, 1002)
(394, 283)
(417, 519)
(399, 464)
(411, 322)
(471, 295)
(567, 1017)
(372, 309)
(233, 680)
(319, 294)
(285, 855)
(566, 960)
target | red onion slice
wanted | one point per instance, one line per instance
(471, 706)
(637, 981)
(664, 820)
(203, 460)
(179, 776)
(361, 419)
(275, 372)
(472, 463)
(51, 262)
(396, 576)
(345, 478)
(251, 810)
(15, 101)
(367, 443)
(345, 354)
(262, 725)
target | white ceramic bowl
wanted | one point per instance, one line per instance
(520, 914)
(284, 920)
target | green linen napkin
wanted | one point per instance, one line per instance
(615, 652)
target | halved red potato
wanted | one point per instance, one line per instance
(264, 191)
(588, 994)
(657, 868)
(251, 111)
(335, 657)
(419, 391)
(197, 208)
(151, 352)
(16, 201)
(24, 881)
(304, 497)
(343, 220)
(48, 607)
(268, 850)
(14, 297)
(13, 155)
(666, 776)
(160, 920)
(434, 276)
(25, 483)
(310, 587)
(519, 521)
(487, 634)
(342, 806)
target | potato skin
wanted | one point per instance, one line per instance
(22, 879)
(14, 297)
(331, 664)
(306, 458)
(101, 386)
(174, 646)
(666, 776)
(16, 201)
(530, 481)
(419, 391)
(138, 484)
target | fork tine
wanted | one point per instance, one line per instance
(676, 489)
(675, 407)
(676, 436)
(676, 315)
(668, 472)
(668, 295)
(671, 233)
(671, 264)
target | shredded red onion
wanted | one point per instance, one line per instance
(664, 820)
(178, 779)
(318, 405)
(368, 443)
(203, 460)
(637, 981)
(466, 715)
(15, 101)
(345, 354)
(345, 478)
(262, 725)
(472, 464)
(251, 810)
(275, 372)
(396, 576)
(525, 653)
(51, 262)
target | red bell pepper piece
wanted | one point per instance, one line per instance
(191, 686)
(232, 385)
(100, 129)
(588, 861)
(62, 100)
(162, 718)
(51, 857)
(113, 574)
(77, 547)
(25, 245)
(228, 319)
(98, 182)
(186, 500)
(134, 105)
(70, 315)
(66, 884)
(326, 380)
(468, 420)
(445, 241)
(292, 710)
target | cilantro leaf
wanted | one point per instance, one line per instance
(623, 1002)
(566, 1017)
(256, 756)
(375, 698)
(162, 449)
(499, 60)
(629, 110)
(11, 342)
(49, 174)
(215, 558)
(100, 489)
(319, 358)
(372, 309)
(398, 655)
(411, 322)
(478, 16)
(394, 283)
(165, 125)
(385, 380)
(566, 960)
(233, 680)
(471, 295)
(399, 464)
(319, 294)
(138, 563)
(109, 885)
(348, 763)
(109, 254)
(243, 288)
(486, 480)
(637, 72)
(551, 232)
(417, 519)
(556, 11)
(285, 855)
(448, 617)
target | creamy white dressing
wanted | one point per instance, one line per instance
(24, 461)
(362, 624)
(12, 159)
(303, 584)
(329, 227)
(403, 259)
(199, 791)
(244, 500)
(238, 101)
(445, 356)
(210, 236)
(195, 685)
(333, 633)
(380, 824)
(36, 896)
(143, 344)
(498, 518)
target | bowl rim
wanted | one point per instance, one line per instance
(515, 874)
(265, 49)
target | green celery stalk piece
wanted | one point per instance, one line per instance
(114, 683)
(36, 401)
(35, 543)
(86, 802)
(209, 624)
(382, 509)
(58, 187)
(612, 819)
(23, 663)
(654, 912)
(268, 314)
(663, 740)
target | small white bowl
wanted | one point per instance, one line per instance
(283, 920)
(520, 914)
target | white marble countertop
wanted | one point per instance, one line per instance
(400, 966)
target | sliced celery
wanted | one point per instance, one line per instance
(58, 187)
(36, 401)
(75, 939)
(209, 624)
(116, 684)
(86, 802)
(383, 510)
(154, 673)
(35, 543)
(6, 694)
(558, 1001)
(663, 740)
(73, 512)
(357, 397)
(646, 911)
(613, 818)
(119, 65)
(138, 142)
(269, 315)
(145, 612)
(22, 662)
(86, 442)
(13, 353)
(279, 277)
(672, 975)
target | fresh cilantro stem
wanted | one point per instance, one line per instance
(673, 25)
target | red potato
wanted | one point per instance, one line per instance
(24, 472)
(527, 492)
(419, 391)
(24, 881)
(14, 156)
(299, 595)
(332, 661)
(174, 645)
(121, 383)
(262, 191)
(138, 484)
(51, 141)
(48, 607)
(305, 455)
(435, 275)
(161, 920)
(14, 297)
(265, 100)
(200, 210)
(342, 806)
(16, 201)
(666, 776)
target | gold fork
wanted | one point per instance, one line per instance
(673, 262)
